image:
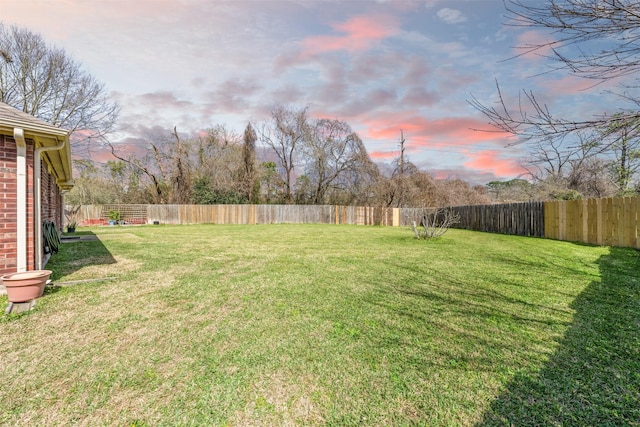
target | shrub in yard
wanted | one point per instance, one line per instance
(434, 222)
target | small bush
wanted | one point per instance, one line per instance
(434, 222)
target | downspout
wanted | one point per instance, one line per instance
(21, 200)
(37, 198)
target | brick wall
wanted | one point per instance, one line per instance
(7, 205)
(31, 257)
(51, 199)
(50, 204)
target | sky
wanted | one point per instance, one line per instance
(380, 65)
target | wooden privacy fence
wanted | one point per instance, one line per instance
(520, 219)
(241, 214)
(611, 222)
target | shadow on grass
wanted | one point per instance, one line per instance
(594, 377)
(82, 250)
(78, 250)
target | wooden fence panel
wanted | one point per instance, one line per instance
(522, 219)
(295, 214)
(593, 221)
(165, 214)
(634, 222)
(618, 232)
(552, 220)
(574, 227)
(609, 221)
(631, 213)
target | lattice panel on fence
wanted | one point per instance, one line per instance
(130, 214)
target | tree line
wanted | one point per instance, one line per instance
(291, 158)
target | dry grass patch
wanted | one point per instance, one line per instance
(102, 266)
(282, 400)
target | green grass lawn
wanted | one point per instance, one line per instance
(326, 325)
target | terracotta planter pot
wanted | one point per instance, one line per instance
(25, 286)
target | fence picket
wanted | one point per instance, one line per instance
(522, 219)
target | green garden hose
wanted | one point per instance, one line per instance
(51, 237)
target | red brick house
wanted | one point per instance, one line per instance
(35, 169)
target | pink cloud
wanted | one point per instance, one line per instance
(129, 147)
(455, 130)
(569, 85)
(440, 141)
(490, 160)
(532, 39)
(360, 33)
(441, 174)
(383, 155)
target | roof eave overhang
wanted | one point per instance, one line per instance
(58, 161)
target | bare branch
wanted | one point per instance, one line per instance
(46, 83)
(434, 222)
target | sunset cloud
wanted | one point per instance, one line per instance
(383, 155)
(360, 33)
(568, 85)
(454, 130)
(533, 45)
(495, 162)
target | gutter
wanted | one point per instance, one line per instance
(21, 200)
(44, 129)
(37, 175)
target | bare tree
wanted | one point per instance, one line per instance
(579, 21)
(158, 182)
(285, 134)
(166, 164)
(334, 156)
(456, 192)
(534, 122)
(181, 173)
(591, 179)
(625, 145)
(47, 83)
(357, 184)
(615, 26)
(91, 186)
